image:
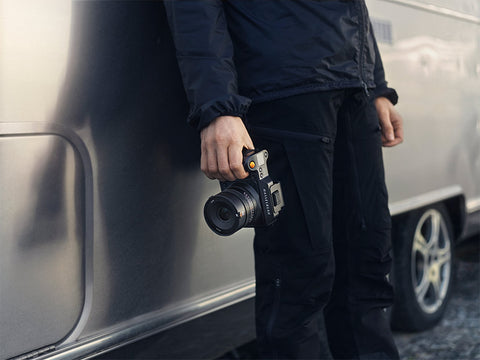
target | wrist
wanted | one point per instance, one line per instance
(388, 93)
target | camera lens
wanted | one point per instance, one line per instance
(224, 214)
(232, 209)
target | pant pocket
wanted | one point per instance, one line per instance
(312, 164)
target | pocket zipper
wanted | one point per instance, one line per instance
(293, 135)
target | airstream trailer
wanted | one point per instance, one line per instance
(101, 224)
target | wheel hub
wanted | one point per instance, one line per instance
(431, 261)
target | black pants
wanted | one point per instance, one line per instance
(321, 269)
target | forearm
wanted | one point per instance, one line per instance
(205, 56)
(382, 89)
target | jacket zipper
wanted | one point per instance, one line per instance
(363, 35)
(273, 316)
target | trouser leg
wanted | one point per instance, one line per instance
(294, 257)
(293, 285)
(356, 320)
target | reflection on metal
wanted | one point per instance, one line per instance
(25, 135)
(435, 57)
(438, 10)
(36, 353)
(473, 205)
(433, 63)
(421, 200)
(152, 323)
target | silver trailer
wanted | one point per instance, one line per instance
(103, 241)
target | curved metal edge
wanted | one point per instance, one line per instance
(42, 128)
(473, 205)
(399, 207)
(152, 323)
(438, 10)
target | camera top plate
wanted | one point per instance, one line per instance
(255, 162)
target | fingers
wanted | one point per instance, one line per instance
(397, 128)
(236, 162)
(397, 123)
(386, 125)
(391, 122)
(214, 164)
(206, 163)
(222, 144)
(223, 172)
(247, 142)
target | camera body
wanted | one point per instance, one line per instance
(251, 202)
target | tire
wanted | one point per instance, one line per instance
(423, 268)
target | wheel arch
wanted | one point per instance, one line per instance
(456, 208)
(457, 212)
(452, 197)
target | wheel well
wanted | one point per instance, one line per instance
(456, 211)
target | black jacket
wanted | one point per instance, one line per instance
(232, 52)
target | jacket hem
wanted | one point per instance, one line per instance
(298, 90)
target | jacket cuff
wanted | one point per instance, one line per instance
(232, 105)
(387, 92)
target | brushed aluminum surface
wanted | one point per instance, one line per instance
(42, 233)
(98, 80)
(434, 63)
(151, 323)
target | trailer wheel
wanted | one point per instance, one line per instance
(423, 247)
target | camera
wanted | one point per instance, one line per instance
(251, 202)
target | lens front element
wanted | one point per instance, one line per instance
(225, 214)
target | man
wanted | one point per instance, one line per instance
(304, 79)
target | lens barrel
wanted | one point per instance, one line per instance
(232, 209)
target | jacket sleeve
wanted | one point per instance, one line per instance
(205, 56)
(381, 88)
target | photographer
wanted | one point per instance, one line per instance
(304, 80)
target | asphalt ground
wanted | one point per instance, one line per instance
(456, 337)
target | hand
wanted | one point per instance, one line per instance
(222, 144)
(390, 121)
